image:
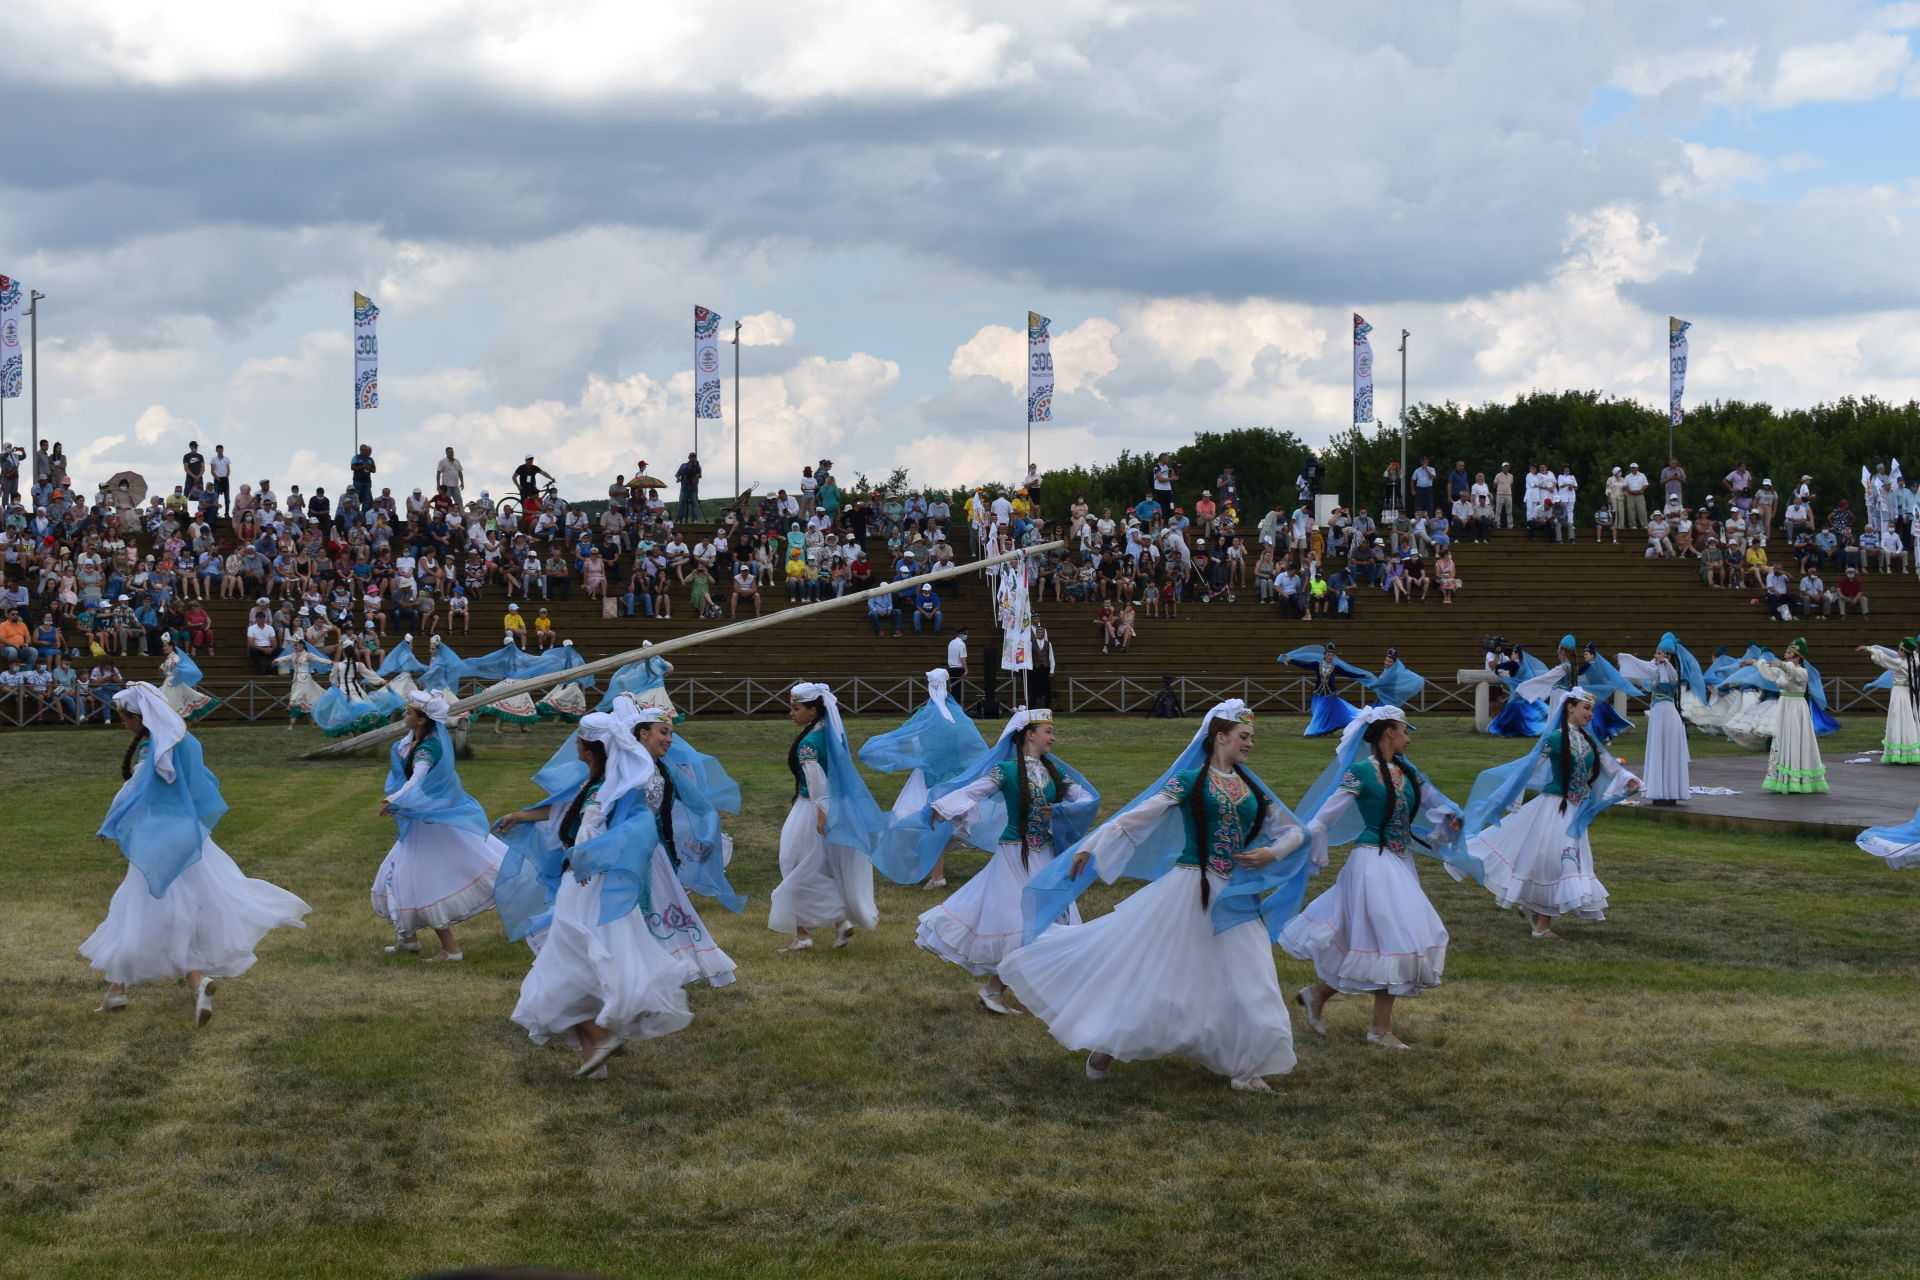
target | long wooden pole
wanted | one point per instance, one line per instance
(496, 693)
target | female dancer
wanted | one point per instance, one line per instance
(441, 870)
(935, 745)
(1537, 858)
(1522, 716)
(1330, 711)
(1031, 804)
(689, 831)
(179, 676)
(1794, 766)
(184, 909)
(826, 875)
(1373, 932)
(600, 976)
(1900, 744)
(565, 702)
(400, 667)
(358, 699)
(1590, 671)
(516, 708)
(1184, 966)
(305, 693)
(1397, 685)
(1667, 758)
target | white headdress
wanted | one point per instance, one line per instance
(937, 692)
(162, 722)
(432, 705)
(1577, 694)
(629, 765)
(813, 691)
(1366, 716)
(1024, 716)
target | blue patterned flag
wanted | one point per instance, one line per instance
(1039, 368)
(706, 363)
(1362, 370)
(366, 353)
(11, 363)
(1676, 365)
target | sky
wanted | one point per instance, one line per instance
(1198, 194)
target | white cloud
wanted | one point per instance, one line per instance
(1870, 65)
(765, 329)
(159, 423)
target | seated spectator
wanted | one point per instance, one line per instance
(1543, 522)
(263, 644)
(1851, 592)
(881, 612)
(926, 608)
(457, 610)
(1604, 528)
(1777, 595)
(103, 680)
(1826, 543)
(544, 636)
(1416, 578)
(199, 630)
(1123, 627)
(1447, 575)
(1813, 595)
(1658, 543)
(1756, 564)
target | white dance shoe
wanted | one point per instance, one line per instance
(598, 1058)
(798, 944)
(843, 935)
(1251, 1084)
(1097, 1064)
(991, 1001)
(203, 1003)
(1387, 1040)
(1313, 1009)
(446, 957)
(112, 1004)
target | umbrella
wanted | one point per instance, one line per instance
(136, 488)
(647, 482)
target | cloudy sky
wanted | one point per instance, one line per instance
(1198, 194)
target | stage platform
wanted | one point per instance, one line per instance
(1859, 796)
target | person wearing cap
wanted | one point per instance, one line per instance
(1634, 486)
(516, 627)
(526, 478)
(1794, 766)
(1537, 857)
(1503, 497)
(1766, 500)
(184, 909)
(1852, 591)
(1616, 505)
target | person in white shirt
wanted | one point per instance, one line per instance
(1799, 516)
(449, 476)
(416, 508)
(220, 467)
(1636, 483)
(1893, 550)
(956, 664)
(1567, 494)
(263, 643)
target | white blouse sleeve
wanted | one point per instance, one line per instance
(1541, 685)
(958, 806)
(1076, 793)
(1616, 774)
(1113, 843)
(414, 782)
(593, 821)
(1886, 658)
(1636, 668)
(817, 789)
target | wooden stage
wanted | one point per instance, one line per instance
(1859, 796)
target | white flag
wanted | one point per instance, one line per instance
(706, 363)
(1039, 368)
(1015, 607)
(1677, 360)
(11, 362)
(366, 353)
(1362, 371)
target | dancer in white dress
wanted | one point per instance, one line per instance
(937, 744)
(601, 977)
(1374, 932)
(1671, 669)
(1031, 805)
(1182, 967)
(827, 842)
(677, 808)
(442, 868)
(1537, 858)
(1794, 766)
(184, 910)
(179, 676)
(1900, 743)
(305, 692)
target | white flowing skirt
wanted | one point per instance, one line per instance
(1667, 756)
(1374, 930)
(1901, 741)
(401, 685)
(1532, 862)
(1151, 979)
(435, 877)
(1710, 716)
(820, 884)
(981, 921)
(185, 699)
(678, 928)
(1794, 766)
(304, 695)
(1897, 855)
(1753, 725)
(210, 920)
(616, 975)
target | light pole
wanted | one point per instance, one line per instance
(33, 351)
(736, 411)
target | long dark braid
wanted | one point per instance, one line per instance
(793, 749)
(1563, 754)
(666, 814)
(1913, 677)
(126, 761)
(570, 823)
(1026, 786)
(1197, 805)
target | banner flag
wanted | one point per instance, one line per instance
(1039, 368)
(1362, 371)
(1014, 608)
(366, 353)
(706, 363)
(12, 364)
(1677, 362)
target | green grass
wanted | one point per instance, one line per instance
(1719, 1080)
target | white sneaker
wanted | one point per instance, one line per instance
(446, 957)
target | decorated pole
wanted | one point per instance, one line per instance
(508, 689)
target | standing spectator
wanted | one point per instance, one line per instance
(1616, 491)
(1227, 485)
(1766, 500)
(1164, 476)
(1392, 493)
(1673, 479)
(363, 468)
(1423, 478)
(688, 474)
(1635, 482)
(221, 468)
(1739, 482)
(449, 477)
(1503, 497)
(194, 466)
(957, 663)
(526, 478)
(1459, 484)
(1567, 494)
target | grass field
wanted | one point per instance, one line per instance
(1721, 1079)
